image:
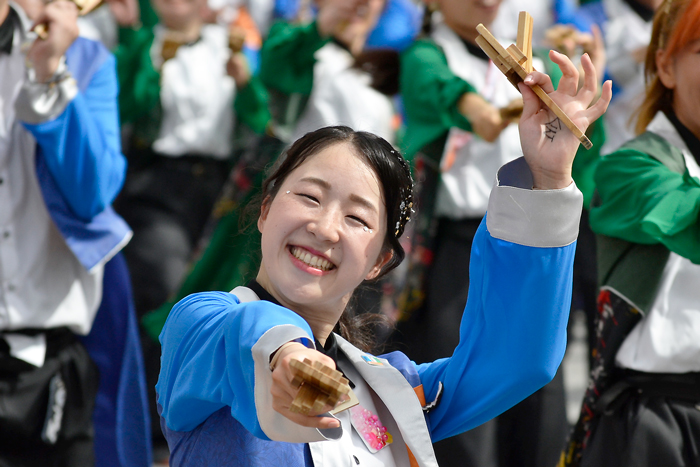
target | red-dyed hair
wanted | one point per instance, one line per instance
(676, 23)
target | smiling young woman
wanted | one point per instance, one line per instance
(332, 213)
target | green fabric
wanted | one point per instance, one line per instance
(232, 256)
(586, 162)
(287, 57)
(430, 93)
(149, 18)
(646, 204)
(139, 88)
(251, 106)
(227, 262)
(139, 81)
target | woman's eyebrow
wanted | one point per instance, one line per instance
(363, 202)
(317, 181)
(353, 197)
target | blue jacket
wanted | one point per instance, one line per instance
(79, 163)
(216, 347)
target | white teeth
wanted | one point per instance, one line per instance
(312, 260)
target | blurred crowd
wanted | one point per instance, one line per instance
(134, 133)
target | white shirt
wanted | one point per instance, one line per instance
(667, 340)
(465, 187)
(196, 96)
(343, 95)
(625, 32)
(42, 284)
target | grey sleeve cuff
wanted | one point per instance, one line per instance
(40, 102)
(537, 218)
(276, 426)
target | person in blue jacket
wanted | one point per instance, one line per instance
(332, 212)
(60, 168)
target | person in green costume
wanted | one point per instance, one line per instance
(183, 96)
(641, 406)
(458, 132)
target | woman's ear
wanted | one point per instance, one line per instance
(665, 69)
(264, 210)
(384, 258)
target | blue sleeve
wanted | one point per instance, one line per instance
(512, 335)
(207, 358)
(82, 145)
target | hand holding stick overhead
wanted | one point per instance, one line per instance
(548, 146)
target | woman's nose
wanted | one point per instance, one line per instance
(326, 226)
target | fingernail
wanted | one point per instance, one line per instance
(528, 79)
(334, 424)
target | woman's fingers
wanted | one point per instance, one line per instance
(599, 108)
(531, 103)
(568, 84)
(590, 80)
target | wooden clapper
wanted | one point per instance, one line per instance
(319, 385)
(84, 7)
(516, 63)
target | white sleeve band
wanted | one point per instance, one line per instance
(275, 425)
(537, 218)
(40, 102)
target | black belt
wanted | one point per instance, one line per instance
(679, 386)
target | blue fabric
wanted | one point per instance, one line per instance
(207, 360)
(81, 147)
(401, 362)
(512, 335)
(79, 163)
(221, 440)
(398, 26)
(121, 417)
(80, 169)
(90, 241)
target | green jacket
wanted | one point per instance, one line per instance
(646, 205)
(139, 84)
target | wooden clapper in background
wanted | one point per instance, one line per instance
(84, 7)
(516, 63)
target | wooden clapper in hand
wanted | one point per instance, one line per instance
(516, 63)
(319, 385)
(84, 7)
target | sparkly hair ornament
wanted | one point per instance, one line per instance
(406, 206)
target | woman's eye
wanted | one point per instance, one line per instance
(308, 196)
(359, 220)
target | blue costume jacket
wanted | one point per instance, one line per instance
(213, 390)
(81, 169)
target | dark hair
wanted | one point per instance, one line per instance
(391, 168)
(396, 183)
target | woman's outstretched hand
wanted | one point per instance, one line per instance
(548, 145)
(283, 392)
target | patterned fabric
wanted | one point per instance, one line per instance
(616, 318)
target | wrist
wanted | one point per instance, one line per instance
(283, 350)
(542, 180)
(47, 71)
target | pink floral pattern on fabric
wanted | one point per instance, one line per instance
(370, 429)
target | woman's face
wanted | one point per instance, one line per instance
(323, 233)
(681, 74)
(462, 16)
(355, 32)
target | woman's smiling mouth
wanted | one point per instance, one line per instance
(311, 260)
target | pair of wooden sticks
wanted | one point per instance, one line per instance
(515, 63)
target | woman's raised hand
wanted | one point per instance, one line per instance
(283, 392)
(548, 146)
